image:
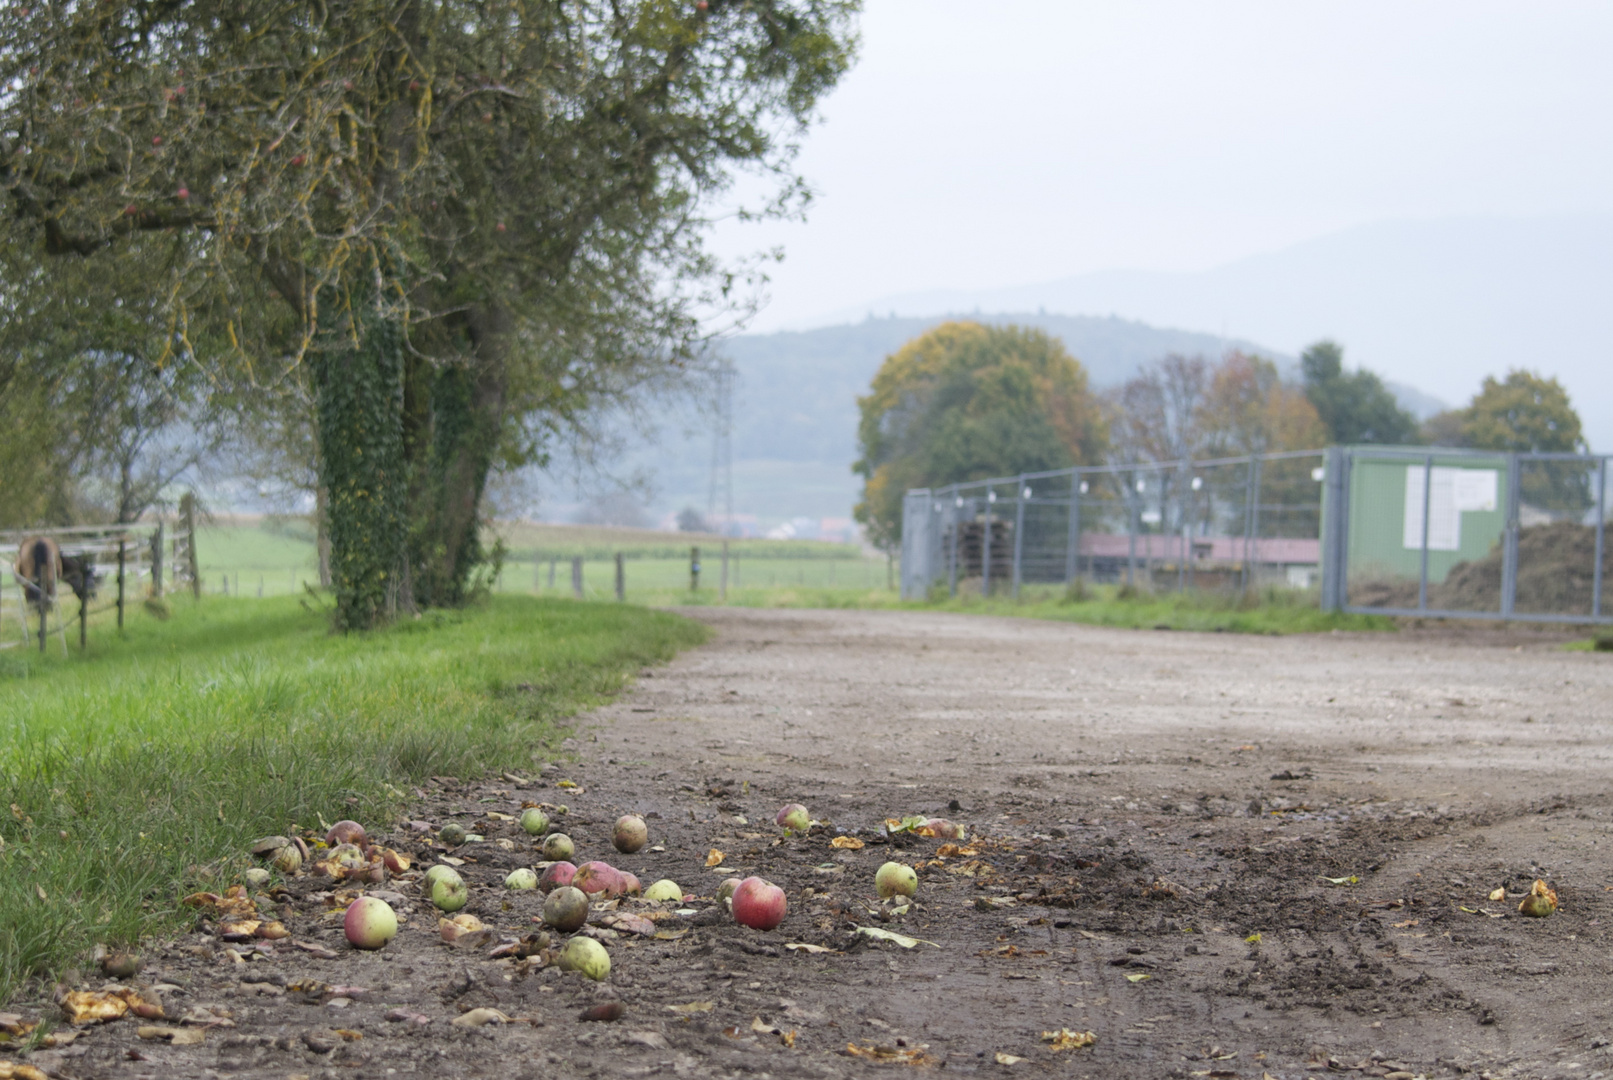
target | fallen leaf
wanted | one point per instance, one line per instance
(14, 1024)
(1351, 880)
(1499, 894)
(349, 1034)
(1137, 978)
(566, 784)
(172, 1035)
(98, 1006)
(630, 924)
(318, 950)
(761, 1027)
(847, 843)
(1408, 923)
(714, 858)
(1065, 1039)
(653, 1039)
(1253, 939)
(693, 1007)
(40, 889)
(8, 1071)
(899, 939)
(947, 851)
(1471, 910)
(801, 946)
(1008, 1059)
(494, 815)
(397, 1016)
(913, 1055)
(208, 1016)
(479, 1018)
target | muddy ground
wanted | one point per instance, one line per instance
(1222, 855)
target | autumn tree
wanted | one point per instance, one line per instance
(1355, 407)
(1523, 413)
(1158, 414)
(964, 402)
(462, 222)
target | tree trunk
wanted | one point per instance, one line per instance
(358, 396)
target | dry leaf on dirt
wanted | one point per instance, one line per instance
(172, 1035)
(1065, 1039)
(9, 1071)
(692, 1007)
(912, 1055)
(1407, 924)
(1008, 1059)
(14, 1024)
(899, 939)
(1138, 978)
(318, 950)
(847, 843)
(947, 851)
(479, 1018)
(629, 924)
(714, 858)
(802, 946)
(234, 903)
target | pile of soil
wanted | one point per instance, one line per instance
(1556, 567)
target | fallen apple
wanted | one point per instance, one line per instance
(452, 834)
(558, 847)
(725, 891)
(521, 879)
(665, 889)
(287, 860)
(370, 923)
(534, 821)
(555, 875)
(345, 832)
(451, 930)
(566, 909)
(758, 904)
(942, 829)
(598, 877)
(586, 955)
(121, 965)
(255, 876)
(450, 893)
(630, 884)
(896, 879)
(794, 817)
(439, 871)
(630, 834)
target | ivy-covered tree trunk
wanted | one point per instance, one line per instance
(454, 415)
(358, 395)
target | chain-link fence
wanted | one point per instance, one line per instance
(1392, 530)
(1228, 523)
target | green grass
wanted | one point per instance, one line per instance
(145, 769)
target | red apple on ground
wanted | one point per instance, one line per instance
(794, 817)
(555, 875)
(598, 877)
(370, 923)
(345, 832)
(758, 904)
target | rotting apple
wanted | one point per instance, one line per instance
(534, 821)
(523, 879)
(896, 879)
(370, 923)
(598, 877)
(452, 834)
(558, 847)
(586, 955)
(725, 891)
(438, 871)
(345, 832)
(665, 889)
(630, 834)
(758, 904)
(566, 909)
(794, 817)
(555, 875)
(450, 893)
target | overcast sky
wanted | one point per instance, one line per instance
(999, 143)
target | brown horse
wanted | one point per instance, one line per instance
(39, 567)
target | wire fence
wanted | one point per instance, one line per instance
(1390, 530)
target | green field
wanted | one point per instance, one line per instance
(146, 768)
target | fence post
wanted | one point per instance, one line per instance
(84, 620)
(1131, 529)
(954, 506)
(187, 508)
(1335, 529)
(576, 577)
(722, 584)
(122, 555)
(1509, 539)
(1072, 543)
(1428, 502)
(694, 569)
(1252, 545)
(156, 560)
(621, 578)
(1601, 527)
(985, 545)
(1019, 531)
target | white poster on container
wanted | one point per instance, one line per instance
(1452, 491)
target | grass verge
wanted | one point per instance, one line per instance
(1271, 611)
(145, 769)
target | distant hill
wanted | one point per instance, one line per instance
(795, 409)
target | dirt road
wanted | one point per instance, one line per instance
(1221, 855)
